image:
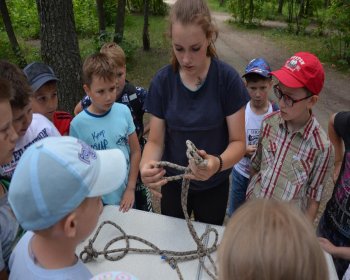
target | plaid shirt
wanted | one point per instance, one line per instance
(291, 166)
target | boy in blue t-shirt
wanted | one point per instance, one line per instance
(107, 125)
(133, 97)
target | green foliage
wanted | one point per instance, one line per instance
(338, 16)
(246, 11)
(24, 17)
(85, 14)
(215, 5)
(156, 7)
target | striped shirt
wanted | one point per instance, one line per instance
(291, 166)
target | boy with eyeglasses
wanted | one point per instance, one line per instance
(294, 155)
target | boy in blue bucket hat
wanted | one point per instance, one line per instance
(55, 195)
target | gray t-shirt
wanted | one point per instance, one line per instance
(8, 231)
(22, 265)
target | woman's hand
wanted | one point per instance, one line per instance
(152, 177)
(203, 173)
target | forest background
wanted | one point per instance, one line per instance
(62, 33)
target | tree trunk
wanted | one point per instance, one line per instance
(221, 2)
(251, 11)
(101, 16)
(119, 23)
(60, 49)
(327, 3)
(11, 34)
(145, 34)
(301, 9)
(280, 6)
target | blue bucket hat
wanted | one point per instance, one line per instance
(56, 174)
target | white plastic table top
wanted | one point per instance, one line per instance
(166, 233)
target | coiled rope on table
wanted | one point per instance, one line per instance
(171, 257)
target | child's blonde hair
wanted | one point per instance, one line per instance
(270, 240)
(193, 12)
(99, 65)
(115, 52)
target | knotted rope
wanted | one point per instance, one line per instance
(171, 257)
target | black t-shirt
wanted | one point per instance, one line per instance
(337, 210)
(196, 115)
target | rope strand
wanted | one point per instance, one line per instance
(173, 258)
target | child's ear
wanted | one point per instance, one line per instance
(70, 225)
(86, 89)
(271, 83)
(312, 101)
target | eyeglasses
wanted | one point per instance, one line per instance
(286, 99)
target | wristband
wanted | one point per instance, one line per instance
(220, 164)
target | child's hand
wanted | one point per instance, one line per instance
(250, 150)
(328, 246)
(128, 200)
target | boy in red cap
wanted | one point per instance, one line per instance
(294, 155)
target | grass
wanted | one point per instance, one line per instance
(214, 5)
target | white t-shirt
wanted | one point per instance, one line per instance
(347, 274)
(252, 131)
(39, 128)
(22, 265)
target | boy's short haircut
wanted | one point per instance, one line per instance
(56, 174)
(114, 51)
(100, 65)
(18, 82)
(38, 74)
(6, 91)
(262, 235)
(254, 77)
(257, 69)
(302, 70)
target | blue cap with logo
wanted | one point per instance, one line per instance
(56, 174)
(258, 66)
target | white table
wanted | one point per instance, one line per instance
(166, 233)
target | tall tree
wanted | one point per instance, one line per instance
(11, 34)
(145, 33)
(280, 7)
(119, 23)
(101, 16)
(60, 49)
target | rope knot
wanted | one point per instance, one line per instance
(89, 253)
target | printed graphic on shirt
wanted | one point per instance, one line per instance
(99, 139)
(101, 143)
(253, 136)
(8, 169)
(340, 205)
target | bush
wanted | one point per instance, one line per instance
(339, 39)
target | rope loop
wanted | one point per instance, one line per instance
(171, 257)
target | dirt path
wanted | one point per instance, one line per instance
(238, 47)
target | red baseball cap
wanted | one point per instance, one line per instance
(302, 70)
